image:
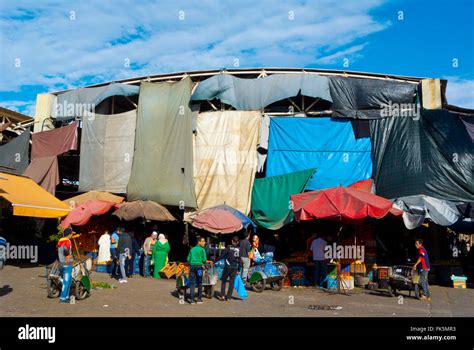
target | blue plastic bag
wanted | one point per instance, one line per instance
(240, 287)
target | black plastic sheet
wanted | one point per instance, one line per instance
(432, 155)
(361, 98)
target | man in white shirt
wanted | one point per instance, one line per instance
(320, 270)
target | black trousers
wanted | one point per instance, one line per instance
(195, 278)
(228, 273)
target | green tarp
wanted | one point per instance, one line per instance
(271, 207)
(162, 168)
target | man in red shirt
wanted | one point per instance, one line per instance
(423, 266)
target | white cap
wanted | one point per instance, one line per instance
(154, 233)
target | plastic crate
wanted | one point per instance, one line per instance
(358, 268)
(297, 275)
(345, 269)
(347, 283)
(382, 273)
(103, 268)
(459, 281)
(331, 283)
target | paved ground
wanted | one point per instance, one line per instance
(23, 293)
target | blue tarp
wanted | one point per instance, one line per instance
(253, 94)
(322, 143)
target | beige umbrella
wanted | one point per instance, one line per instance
(148, 210)
(93, 195)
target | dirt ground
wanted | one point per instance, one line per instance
(23, 293)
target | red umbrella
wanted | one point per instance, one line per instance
(82, 213)
(341, 202)
(217, 221)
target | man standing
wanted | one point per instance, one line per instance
(114, 240)
(197, 258)
(320, 271)
(231, 256)
(423, 266)
(245, 247)
(64, 247)
(147, 251)
(125, 253)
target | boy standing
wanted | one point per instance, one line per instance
(232, 265)
(197, 258)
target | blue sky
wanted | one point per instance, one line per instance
(55, 45)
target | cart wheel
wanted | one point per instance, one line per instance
(209, 292)
(392, 291)
(277, 286)
(417, 291)
(259, 286)
(53, 288)
(80, 291)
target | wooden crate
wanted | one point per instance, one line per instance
(169, 270)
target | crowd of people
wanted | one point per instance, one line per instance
(122, 249)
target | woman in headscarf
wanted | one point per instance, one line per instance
(160, 254)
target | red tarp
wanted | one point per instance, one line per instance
(46, 145)
(341, 202)
(54, 142)
(217, 221)
(81, 214)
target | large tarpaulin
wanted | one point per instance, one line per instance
(253, 94)
(418, 208)
(14, 154)
(54, 142)
(322, 143)
(363, 98)
(107, 146)
(45, 172)
(162, 168)
(46, 146)
(431, 155)
(271, 206)
(225, 158)
(77, 102)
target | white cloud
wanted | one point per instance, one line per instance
(59, 53)
(460, 92)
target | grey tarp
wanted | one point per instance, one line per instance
(75, 102)
(418, 208)
(363, 98)
(14, 154)
(254, 94)
(107, 148)
(162, 168)
(431, 156)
